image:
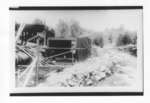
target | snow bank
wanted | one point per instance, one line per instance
(108, 67)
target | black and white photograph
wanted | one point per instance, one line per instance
(57, 50)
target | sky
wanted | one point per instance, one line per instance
(95, 20)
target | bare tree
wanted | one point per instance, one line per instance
(75, 29)
(62, 29)
(38, 21)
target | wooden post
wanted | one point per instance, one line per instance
(45, 42)
(36, 72)
(72, 55)
(37, 63)
(17, 78)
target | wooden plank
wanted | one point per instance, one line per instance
(19, 31)
(29, 73)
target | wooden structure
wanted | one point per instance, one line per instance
(56, 49)
(30, 33)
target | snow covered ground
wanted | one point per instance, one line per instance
(106, 67)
